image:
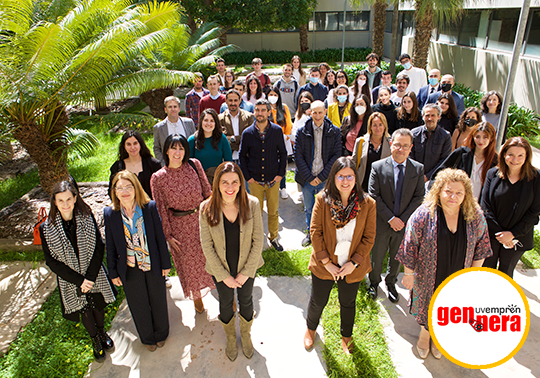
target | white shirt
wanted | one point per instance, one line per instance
(476, 178)
(344, 238)
(235, 121)
(177, 127)
(200, 94)
(418, 79)
(396, 100)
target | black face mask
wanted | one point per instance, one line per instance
(305, 106)
(446, 87)
(470, 122)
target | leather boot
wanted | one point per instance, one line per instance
(230, 331)
(106, 340)
(99, 353)
(245, 336)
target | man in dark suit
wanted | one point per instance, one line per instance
(173, 124)
(447, 83)
(234, 121)
(432, 87)
(397, 185)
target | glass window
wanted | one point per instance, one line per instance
(502, 30)
(408, 23)
(326, 21)
(356, 21)
(470, 28)
(533, 39)
(448, 31)
(388, 26)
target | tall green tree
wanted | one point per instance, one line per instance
(85, 54)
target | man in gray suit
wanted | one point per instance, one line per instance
(397, 185)
(173, 124)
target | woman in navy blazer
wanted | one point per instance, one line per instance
(138, 257)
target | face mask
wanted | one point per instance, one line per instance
(433, 81)
(314, 80)
(305, 106)
(407, 65)
(215, 97)
(342, 98)
(470, 122)
(361, 82)
(272, 99)
(360, 109)
(446, 87)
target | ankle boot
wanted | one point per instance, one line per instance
(230, 332)
(245, 335)
(106, 340)
(99, 353)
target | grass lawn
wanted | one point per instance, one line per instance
(531, 259)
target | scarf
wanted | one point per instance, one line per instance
(341, 215)
(62, 250)
(136, 243)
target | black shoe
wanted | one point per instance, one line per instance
(99, 353)
(392, 293)
(275, 244)
(106, 340)
(372, 291)
(306, 241)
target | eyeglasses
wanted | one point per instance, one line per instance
(349, 178)
(398, 146)
(128, 188)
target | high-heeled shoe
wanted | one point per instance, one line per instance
(423, 353)
(435, 351)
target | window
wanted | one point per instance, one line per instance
(388, 26)
(532, 46)
(502, 30)
(357, 21)
(407, 24)
(470, 34)
(448, 31)
(326, 21)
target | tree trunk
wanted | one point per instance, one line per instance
(155, 100)
(303, 38)
(50, 156)
(379, 23)
(422, 36)
(395, 33)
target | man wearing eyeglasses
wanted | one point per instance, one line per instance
(396, 183)
(318, 145)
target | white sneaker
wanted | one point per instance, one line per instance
(284, 193)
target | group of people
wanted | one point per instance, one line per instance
(375, 178)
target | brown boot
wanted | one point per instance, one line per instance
(245, 335)
(230, 331)
(309, 339)
(199, 306)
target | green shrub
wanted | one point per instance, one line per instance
(330, 56)
(471, 96)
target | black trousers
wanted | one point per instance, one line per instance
(386, 240)
(147, 299)
(226, 298)
(320, 292)
(507, 258)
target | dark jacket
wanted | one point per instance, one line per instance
(319, 91)
(526, 209)
(430, 149)
(389, 112)
(149, 166)
(407, 124)
(116, 241)
(265, 159)
(304, 150)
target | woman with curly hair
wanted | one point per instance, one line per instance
(447, 233)
(254, 90)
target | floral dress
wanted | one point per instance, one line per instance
(182, 189)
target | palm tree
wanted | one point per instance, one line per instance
(379, 23)
(427, 12)
(84, 55)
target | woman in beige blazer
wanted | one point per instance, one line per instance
(232, 240)
(342, 232)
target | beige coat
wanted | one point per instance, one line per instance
(359, 156)
(251, 244)
(245, 120)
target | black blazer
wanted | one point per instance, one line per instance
(116, 241)
(526, 208)
(149, 166)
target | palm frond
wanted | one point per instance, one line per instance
(16, 15)
(80, 143)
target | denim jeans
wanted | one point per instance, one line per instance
(308, 192)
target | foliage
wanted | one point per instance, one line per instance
(531, 259)
(353, 69)
(330, 56)
(14, 188)
(287, 263)
(250, 16)
(22, 255)
(51, 346)
(471, 96)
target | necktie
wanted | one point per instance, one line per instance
(431, 90)
(399, 190)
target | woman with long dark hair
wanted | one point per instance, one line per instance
(303, 113)
(254, 90)
(511, 202)
(491, 105)
(330, 80)
(74, 251)
(449, 117)
(209, 145)
(342, 232)
(135, 156)
(386, 107)
(341, 79)
(361, 85)
(408, 115)
(341, 106)
(355, 125)
(232, 218)
(470, 117)
(298, 72)
(229, 80)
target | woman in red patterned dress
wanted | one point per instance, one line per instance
(178, 189)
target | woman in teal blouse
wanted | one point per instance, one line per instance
(209, 145)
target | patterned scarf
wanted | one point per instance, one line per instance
(62, 250)
(341, 215)
(136, 243)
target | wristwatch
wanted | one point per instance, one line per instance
(355, 264)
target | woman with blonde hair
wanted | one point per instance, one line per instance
(138, 257)
(447, 233)
(232, 240)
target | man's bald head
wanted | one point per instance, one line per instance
(448, 79)
(317, 105)
(435, 73)
(318, 112)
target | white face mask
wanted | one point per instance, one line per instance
(272, 99)
(361, 82)
(360, 109)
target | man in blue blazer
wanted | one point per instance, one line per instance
(447, 83)
(432, 87)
